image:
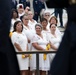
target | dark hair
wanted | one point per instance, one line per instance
(29, 10)
(51, 25)
(43, 19)
(38, 24)
(14, 10)
(15, 24)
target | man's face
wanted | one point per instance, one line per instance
(20, 11)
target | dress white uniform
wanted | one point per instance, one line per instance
(55, 41)
(28, 33)
(46, 33)
(43, 64)
(22, 41)
(32, 25)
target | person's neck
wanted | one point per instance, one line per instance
(20, 12)
(38, 34)
(44, 29)
(52, 32)
(19, 32)
(31, 20)
(26, 25)
(14, 18)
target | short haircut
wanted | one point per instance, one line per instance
(43, 19)
(38, 24)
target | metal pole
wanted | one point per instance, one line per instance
(37, 57)
(37, 63)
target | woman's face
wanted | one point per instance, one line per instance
(53, 21)
(25, 20)
(27, 9)
(44, 24)
(20, 10)
(47, 16)
(53, 28)
(14, 14)
(30, 15)
(19, 27)
(38, 29)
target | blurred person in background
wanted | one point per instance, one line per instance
(59, 11)
(46, 14)
(25, 3)
(44, 23)
(38, 5)
(53, 20)
(13, 3)
(20, 9)
(27, 9)
(31, 22)
(14, 18)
